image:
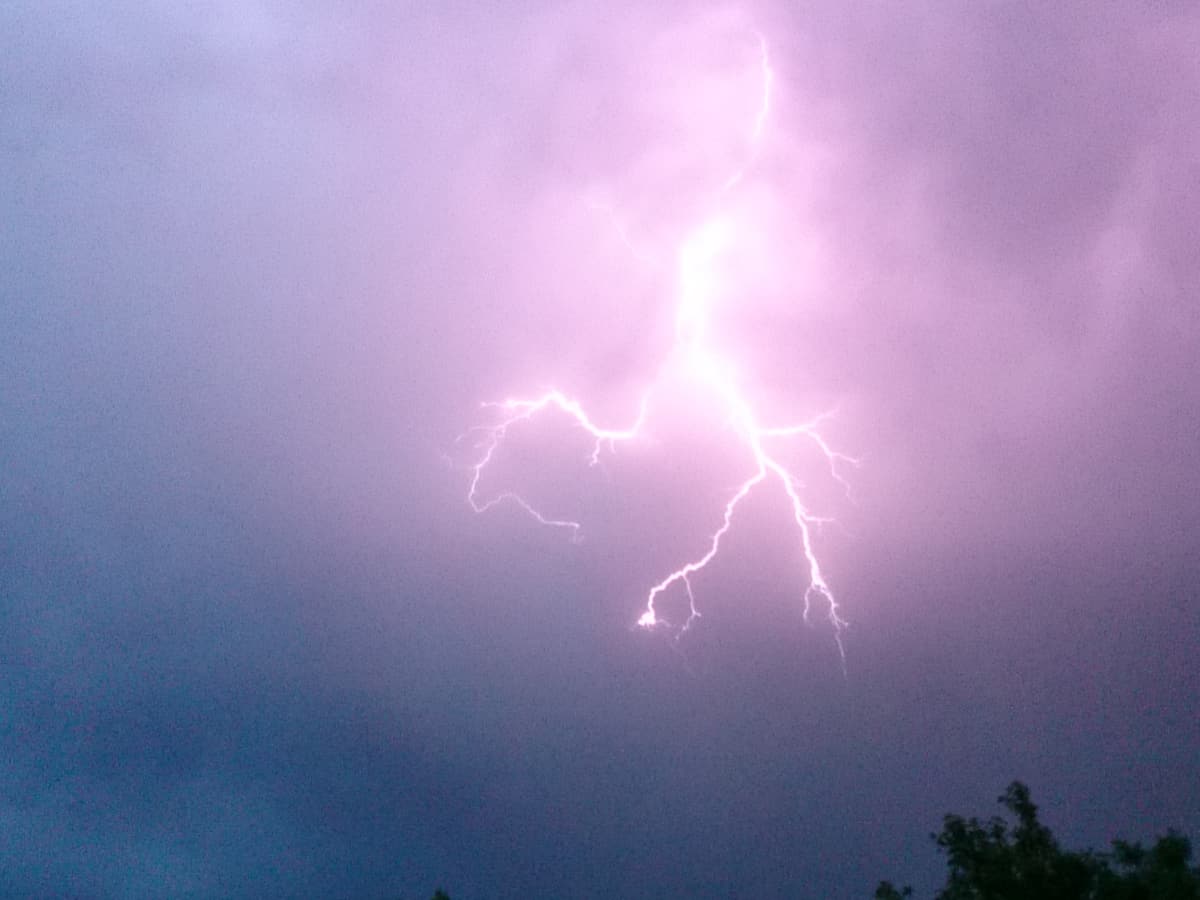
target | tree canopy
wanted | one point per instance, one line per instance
(1000, 859)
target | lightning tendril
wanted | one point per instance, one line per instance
(706, 372)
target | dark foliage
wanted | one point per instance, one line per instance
(1021, 860)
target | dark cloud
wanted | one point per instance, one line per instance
(261, 262)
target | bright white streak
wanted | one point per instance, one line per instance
(697, 288)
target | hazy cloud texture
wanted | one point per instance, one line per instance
(261, 261)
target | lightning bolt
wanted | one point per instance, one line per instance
(708, 373)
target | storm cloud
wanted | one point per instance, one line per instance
(260, 263)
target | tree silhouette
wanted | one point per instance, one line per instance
(999, 860)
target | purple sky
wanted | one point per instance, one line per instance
(259, 264)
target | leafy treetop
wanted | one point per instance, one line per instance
(999, 860)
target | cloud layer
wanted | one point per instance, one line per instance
(263, 260)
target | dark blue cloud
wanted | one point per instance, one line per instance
(257, 267)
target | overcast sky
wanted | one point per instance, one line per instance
(260, 262)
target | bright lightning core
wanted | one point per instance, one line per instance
(698, 286)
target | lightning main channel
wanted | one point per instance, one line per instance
(714, 380)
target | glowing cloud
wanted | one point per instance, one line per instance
(702, 279)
